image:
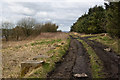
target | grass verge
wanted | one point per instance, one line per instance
(49, 65)
(108, 41)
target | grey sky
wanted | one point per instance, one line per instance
(62, 12)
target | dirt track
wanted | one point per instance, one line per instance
(109, 59)
(77, 61)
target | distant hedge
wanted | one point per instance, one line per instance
(25, 28)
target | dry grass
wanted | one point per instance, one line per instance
(57, 35)
(107, 40)
(14, 52)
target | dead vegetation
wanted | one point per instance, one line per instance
(15, 52)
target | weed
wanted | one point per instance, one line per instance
(26, 45)
(17, 47)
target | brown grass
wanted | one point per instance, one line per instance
(14, 52)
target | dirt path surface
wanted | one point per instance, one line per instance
(109, 58)
(76, 61)
(74, 65)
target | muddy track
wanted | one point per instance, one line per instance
(76, 61)
(109, 59)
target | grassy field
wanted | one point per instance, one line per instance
(48, 44)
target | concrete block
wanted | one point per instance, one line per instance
(29, 65)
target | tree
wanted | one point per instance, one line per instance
(27, 24)
(113, 19)
(92, 22)
(18, 31)
(6, 27)
(49, 27)
(37, 28)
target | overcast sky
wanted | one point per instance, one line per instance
(62, 12)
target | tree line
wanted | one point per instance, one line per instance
(100, 20)
(25, 28)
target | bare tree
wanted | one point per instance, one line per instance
(6, 27)
(27, 24)
(37, 28)
(18, 31)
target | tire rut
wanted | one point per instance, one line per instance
(109, 59)
(76, 61)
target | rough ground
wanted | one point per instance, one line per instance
(109, 58)
(76, 61)
(15, 52)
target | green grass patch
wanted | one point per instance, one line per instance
(96, 64)
(51, 51)
(26, 45)
(17, 47)
(46, 66)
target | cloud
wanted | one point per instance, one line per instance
(53, 0)
(62, 12)
(22, 10)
